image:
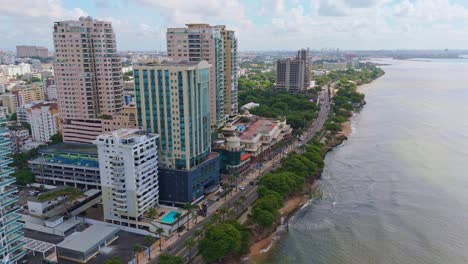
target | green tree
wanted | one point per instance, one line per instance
(263, 217)
(13, 117)
(152, 213)
(219, 241)
(169, 259)
(23, 177)
(56, 138)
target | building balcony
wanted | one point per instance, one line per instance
(15, 237)
(7, 181)
(10, 219)
(6, 172)
(13, 228)
(8, 192)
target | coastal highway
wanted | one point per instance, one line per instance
(324, 99)
(178, 248)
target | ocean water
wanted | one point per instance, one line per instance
(397, 190)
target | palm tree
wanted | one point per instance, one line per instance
(149, 242)
(160, 231)
(237, 204)
(152, 213)
(190, 244)
(137, 249)
(236, 176)
(233, 179)
(188, 207)
(242, 199)
(216, 218)
(195, 213)
(223, 210)
(231, 214)
(197, 233)
(178, 217)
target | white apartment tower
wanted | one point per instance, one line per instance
(128, 163)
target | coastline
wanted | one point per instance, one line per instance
(260, 249)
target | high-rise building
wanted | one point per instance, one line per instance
(231, 68)
(218, 47)
(11, 244)
(128, 163)
(31, 51)
(172, 101)
(293, 75)
(88, 76)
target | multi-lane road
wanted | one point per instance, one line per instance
(250, 192)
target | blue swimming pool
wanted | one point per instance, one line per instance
(170, 217)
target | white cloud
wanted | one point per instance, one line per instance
(267, 24)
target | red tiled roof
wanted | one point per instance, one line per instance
(244, 156)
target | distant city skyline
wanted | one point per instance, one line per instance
(286, 25)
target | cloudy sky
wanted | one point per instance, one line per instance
(259, 24)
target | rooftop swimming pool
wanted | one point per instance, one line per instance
(170, 217)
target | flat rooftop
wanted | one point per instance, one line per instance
(260, 126)
(62, 159)
(70, 148)
(89, 238)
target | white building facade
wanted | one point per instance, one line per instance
(44, 120)
(128, 163)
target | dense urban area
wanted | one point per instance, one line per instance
(191, 155)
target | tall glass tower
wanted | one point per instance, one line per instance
(11, 243)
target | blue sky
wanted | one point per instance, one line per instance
(259, 25)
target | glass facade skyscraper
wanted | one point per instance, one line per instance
(172, 100)
(11, 244)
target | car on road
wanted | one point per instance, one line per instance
(241, 187)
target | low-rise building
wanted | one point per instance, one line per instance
(335, 66)
(259, 134)
(81, 247)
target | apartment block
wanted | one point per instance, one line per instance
(14, 70)
(31, 51)
(9, 101)
(11, 244)
(172, 101)
(128, 162)
(26, 94)
(88, 76)
(44, 119)
(217, 46)
(293, 74)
